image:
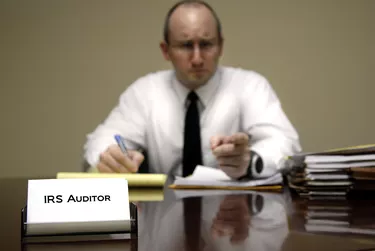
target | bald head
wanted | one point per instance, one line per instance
(191, 13)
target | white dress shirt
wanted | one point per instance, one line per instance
(151, 112)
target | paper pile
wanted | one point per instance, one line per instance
(212, 178)
(334, 173)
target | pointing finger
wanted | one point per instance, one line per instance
(239, 138)
(216, 140)
(230, 150)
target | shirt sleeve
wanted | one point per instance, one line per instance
(272, 136)
(127, 118)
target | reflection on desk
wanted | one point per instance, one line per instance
(340, 216)
(129, 245)
(161, 223)
(146, 194)
(245, 221)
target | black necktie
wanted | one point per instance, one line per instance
(192, 154)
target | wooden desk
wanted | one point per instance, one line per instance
(255, 222)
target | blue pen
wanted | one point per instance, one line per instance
(121, 144)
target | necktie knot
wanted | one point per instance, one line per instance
(192, 97)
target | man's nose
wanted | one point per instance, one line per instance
(197, 59)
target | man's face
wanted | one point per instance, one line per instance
(194, 46)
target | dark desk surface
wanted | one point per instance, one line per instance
(257, 221)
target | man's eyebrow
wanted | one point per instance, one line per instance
(199, 40)
(183, 40)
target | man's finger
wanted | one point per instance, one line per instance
(136, 157)
(102, 168)
(230, 150)
(129, 164)
(239, 138)
(107, 160)
(125, 160)
(216, 140)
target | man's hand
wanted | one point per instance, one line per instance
(232, 153)
(113, 160)
(232, 219)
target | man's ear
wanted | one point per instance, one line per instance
(164, 50)
(221, 46)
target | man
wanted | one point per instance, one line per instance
(199, 113)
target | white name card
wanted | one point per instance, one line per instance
(57, 206)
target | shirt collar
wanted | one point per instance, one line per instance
(204, 92)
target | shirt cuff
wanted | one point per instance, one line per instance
(269, 165)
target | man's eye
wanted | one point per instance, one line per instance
(187, 45)
(205, 44)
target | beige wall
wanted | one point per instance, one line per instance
(64, 63)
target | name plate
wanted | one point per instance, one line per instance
(65, 206)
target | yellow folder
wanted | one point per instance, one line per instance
(134, 179)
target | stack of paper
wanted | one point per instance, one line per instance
(333, 173)
(213, 178)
